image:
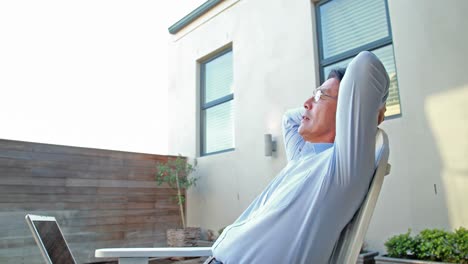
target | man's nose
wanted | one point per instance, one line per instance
(308, 103)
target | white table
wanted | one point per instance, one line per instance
(142, 255)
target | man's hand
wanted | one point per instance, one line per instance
(381, 116)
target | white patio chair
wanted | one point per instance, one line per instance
(346, 250)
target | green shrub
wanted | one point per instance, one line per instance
(431, 244)
(401, 246)
(459, 240)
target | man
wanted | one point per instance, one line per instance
(330, 146)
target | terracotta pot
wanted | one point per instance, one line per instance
(185, 237)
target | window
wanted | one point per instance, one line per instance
(347, 27)
(217, 108)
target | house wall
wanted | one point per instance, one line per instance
(429, 144)
(275, 67)
(101, 199)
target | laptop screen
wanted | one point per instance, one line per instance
(53, 241)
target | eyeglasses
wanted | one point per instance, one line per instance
(319, 94)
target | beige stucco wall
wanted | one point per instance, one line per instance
(429, 143)
(275, 58)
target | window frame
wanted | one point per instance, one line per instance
(207, 105)
(380, 43)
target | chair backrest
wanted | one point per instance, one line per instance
(347, 249)
(50, 239)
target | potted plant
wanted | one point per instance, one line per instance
(177, 173)
(429, 246)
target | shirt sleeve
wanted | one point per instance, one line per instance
(362, 91)
(293, 142)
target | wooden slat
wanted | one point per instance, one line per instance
(101, 198)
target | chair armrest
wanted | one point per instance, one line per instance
(153, 252)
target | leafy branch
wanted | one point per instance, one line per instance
(177, 174)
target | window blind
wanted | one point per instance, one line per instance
(349, 24)
(217, 108)
(218, 79)
(219, 128)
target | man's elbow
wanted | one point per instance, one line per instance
(367, 61)
(367, 66)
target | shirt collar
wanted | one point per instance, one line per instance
(315, 148)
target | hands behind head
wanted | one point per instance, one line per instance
(381, 115)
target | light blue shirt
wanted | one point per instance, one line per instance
(299, 216)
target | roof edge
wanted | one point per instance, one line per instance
(192, 16)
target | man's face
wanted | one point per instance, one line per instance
(318, 124)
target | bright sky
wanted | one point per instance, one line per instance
(88, 73)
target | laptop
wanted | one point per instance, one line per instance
(50, 240)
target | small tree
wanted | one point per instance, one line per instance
(177, 174)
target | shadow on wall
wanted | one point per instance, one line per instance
(448, 119)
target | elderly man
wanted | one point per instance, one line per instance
(330, 146)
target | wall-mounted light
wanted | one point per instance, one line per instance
(270, 145)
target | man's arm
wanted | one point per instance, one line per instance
(362, 92)
(292, 140)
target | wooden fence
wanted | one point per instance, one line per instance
(101, 198)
